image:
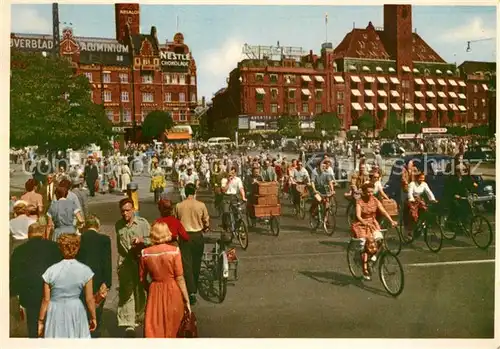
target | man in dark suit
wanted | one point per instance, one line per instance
(91, 174)
(48, 192)
(27, 265)
(95, 252)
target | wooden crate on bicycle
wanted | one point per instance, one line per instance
(391, 207)
(265, 200)
(266, 188)
(259, 211)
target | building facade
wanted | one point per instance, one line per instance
(375, 71)
(130, 75)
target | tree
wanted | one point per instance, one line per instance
(51, 108)
(365, 122)
(155, 124)
(393, 124)
(328, 122)
(288, 126)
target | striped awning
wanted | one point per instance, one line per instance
(382, 106)
(430, 81)
(260, 91)
(461, 83)
(419, 106)
(382, 93)
(381, 79)
(442, 107)
(462, 108)
(430, 94)
(462, 96)
(369, 79)
(408, 106)
(394, 80)
(306, 92)
(356, 106)
(369, 106)
(394, 93)
(356, 93)
(453, 106)
(441, 94)
(452, 82)
(419, 94)
(369, 93)
(355, 78)
(306, 78)
(419, 81)
(319, 78)
(338, 79)
(452, 94)
(430, 106)
(395, 106)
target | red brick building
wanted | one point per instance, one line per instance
(132, 74)
(372, 71)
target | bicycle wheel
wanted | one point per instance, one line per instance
(333, 206)
(481, 232)
(302, 209)
(354, 259)
(448, 234)
(350, 212)
(392, 238)
(329, 223)
(433, 236)
(313, 220)
(243, 234)
(274, 225)
(391, 274)
(221, 280)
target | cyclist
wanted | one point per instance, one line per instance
(299, 176)
(366, 227)
(378, 189)
(357, 180)
(268, 173)
(415, 202)
(324, 185)
(231, 187)
(458, 185)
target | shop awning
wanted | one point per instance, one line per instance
(382, 106)
(369, 93)
(319, 78)
(419, 106)
(356, 93)
(395, 106)
(430, 94)
(306, 78)
(356, 106)
(355, 78)
(394, 93)
(394, 80)
(177, 136)
(430, 106)
(369, 106)
(369, 79)
(338, 79)
(382, 93)
(381, 79)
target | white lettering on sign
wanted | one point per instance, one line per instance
(102, 47)
(434, 130)
(172, 56)
(32, 44)
(129, 12)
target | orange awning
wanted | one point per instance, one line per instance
(178, 136)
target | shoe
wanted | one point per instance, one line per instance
(374, 258)
(367, 277)
(192, 299)
(130, 332)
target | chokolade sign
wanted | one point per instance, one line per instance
(171, 61)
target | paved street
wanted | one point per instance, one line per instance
(298, 285)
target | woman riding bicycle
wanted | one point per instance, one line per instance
(378, 189)
(366, 227)
(416, 205)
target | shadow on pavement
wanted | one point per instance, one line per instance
(339, 279)
(342, 244)
(110, 327)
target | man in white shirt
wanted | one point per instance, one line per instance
(188, 177)
(20, 224)
(231, 187)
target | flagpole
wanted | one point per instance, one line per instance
(326, 27)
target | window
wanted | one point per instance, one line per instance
(182, 116)
(168, 97)
(146, 61)
(259, 96)
(109, 114)
(92, 96)
(193, 97)
(193, 80)
(260, 107)
(124, 96)
(127, 116)
(89, 76)
(340, 109)
(292, 108)
(274, 94)
(318, 94)
(291, 93)
(144, 113)
(123, 78)
(484, 116)
(182, 79)
(273, 78)
(405, 84)
(173, 79)
(147, 97)
(484, 102)
(290, 79)
(182, 97)
(107, 96)
(147, 78)
(475, 115)
(475, 102)
(274, 108)
(106, 78)
(475, 88)
(166, 78)
(119, 58)
(319, 108)
(259, 77)
(305, 107)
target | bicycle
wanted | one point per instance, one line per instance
(217, 265)
(300, 207)
(472, 219)
(240, 230)
(322, 216)
(429, 224)
(383, 258)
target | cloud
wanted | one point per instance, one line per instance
(216, 64)
(29, 20)
(473, 30)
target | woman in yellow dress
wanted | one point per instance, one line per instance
(158, 182)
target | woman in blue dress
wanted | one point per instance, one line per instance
(64, 215)
(62, 314)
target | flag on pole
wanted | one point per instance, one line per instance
(326, 17)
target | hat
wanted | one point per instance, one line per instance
(20, 204)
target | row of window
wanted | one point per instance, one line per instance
(147, 97)
(290, 108)
(127, 115)
(146, 78)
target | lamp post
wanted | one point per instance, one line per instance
(404, 112)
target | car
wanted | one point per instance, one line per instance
(389, 149)
(313, 159)
(437, 167)
(480, 153)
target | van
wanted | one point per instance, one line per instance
(219, 141)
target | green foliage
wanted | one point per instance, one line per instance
(457, 130)
(51, 108)
(387, 134)
(328, 122)
(413, 127)
(394, 124)
(289, 126)
(481, 130)
(156, 123)
(365, 122)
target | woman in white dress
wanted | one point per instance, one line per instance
(126, 177)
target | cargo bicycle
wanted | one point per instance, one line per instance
(264, 208)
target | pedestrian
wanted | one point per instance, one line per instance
(177, 230)
(48, 192)
(19, 225)
(27, 265)
(91, 174)
(95, 252)
(193, 215)
(31, 196)
(167, 293)
(126, 177)
(82, 196)
(131, 232)
(63, 214)
(62, 314)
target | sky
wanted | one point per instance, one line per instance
(216, 34)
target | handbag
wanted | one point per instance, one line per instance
(188, 327)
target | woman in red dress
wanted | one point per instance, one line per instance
(177, 230)
(366, 227)
(160, 270)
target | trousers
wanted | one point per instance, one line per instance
(192, 254)
(131, 296)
